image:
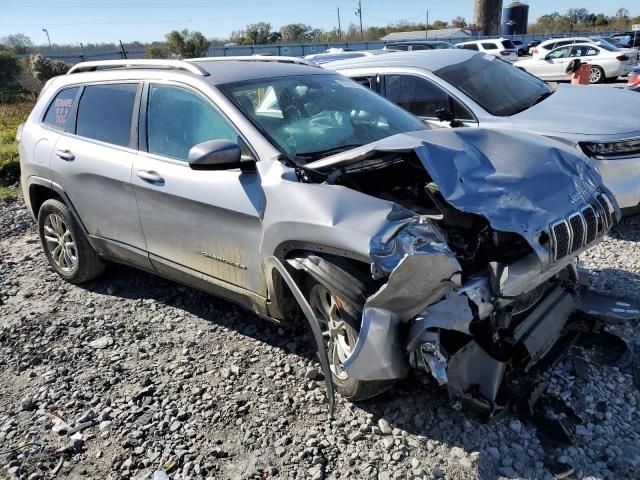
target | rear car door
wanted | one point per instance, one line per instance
(92, 162)
(195, 222)
(425, 99)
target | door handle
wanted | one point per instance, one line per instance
(150, 176)
(66, 155)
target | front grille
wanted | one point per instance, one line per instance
(576, 222)
(562, 239)
(581, 228)
(591, 222)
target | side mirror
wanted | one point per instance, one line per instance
(217, 155)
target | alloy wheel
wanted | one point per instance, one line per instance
(60, 243)
(594, 75)
(341, 337)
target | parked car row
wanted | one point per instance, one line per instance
(286, 187)
(606, 62)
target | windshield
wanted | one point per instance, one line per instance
(495, 85)
(312, 116)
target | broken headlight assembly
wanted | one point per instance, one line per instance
(623, 148)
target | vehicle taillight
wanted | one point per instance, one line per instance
(505, 53)
(622, 58)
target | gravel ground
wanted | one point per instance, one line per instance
(132, 374)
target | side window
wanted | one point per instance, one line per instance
(421, 97)
(369, 82)
(581, 51)
(592, 51)
(489, 46)
(105, 113)
(421, 47)
(58, 114)
(399, 47)
(559, 53)
(470, 46)
(178, 119)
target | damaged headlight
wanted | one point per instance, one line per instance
(612, 149)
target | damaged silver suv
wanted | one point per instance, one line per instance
(285, 187)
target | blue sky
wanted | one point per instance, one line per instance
(88, 21)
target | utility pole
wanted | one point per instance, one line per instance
(48, 38)
(339, 27)
(359, 14)
(426, 28)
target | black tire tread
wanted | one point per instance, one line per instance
(89, 263)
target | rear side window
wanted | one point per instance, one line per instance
(398, 47)
(421, 47)
(470, 46)
(508, 44)
(549, 46)
(59, 113)
(105, 113)
(489, 46)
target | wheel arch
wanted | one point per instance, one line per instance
(281, 297)
(40, 190)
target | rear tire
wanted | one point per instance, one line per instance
(340, 316)
(596, 75)
(65, 245)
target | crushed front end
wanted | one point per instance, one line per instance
(477, 264)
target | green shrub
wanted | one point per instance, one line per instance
(9, 66)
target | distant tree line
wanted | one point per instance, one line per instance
(581, 19)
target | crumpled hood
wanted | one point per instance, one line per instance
(520, 183)
(583, 110)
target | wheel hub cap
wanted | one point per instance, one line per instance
(60, 242)
(341, 337)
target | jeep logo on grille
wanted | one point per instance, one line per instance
(575, 197)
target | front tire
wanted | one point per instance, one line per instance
(596, 75)
(340, 316)
(64, 244)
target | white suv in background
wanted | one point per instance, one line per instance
(500, 47)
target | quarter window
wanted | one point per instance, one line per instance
(178, 119)
(59, 113)
(105, 113)
(489, 46)
(422, 97)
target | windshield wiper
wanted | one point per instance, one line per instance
(538, 99)
(330, 151)
(541, 98)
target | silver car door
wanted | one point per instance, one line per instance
(93, 161)
(207, 222)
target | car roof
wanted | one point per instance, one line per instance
(226, 71)
(216, 70)
(426, 59)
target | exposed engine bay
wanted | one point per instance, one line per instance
(460, 296)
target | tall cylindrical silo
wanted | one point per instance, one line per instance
(515, 18)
